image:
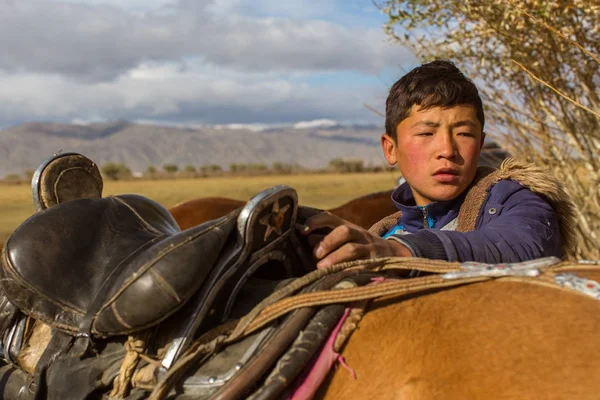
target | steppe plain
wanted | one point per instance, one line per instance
(325, 190)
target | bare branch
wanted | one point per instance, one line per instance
(553, 30)
(368, 107)
(578, 104)
(556, 48)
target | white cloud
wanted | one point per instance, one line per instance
(138, 6)
(317, 123)
(192, 61)
(99, 41)
(197, 94)
(289, 8)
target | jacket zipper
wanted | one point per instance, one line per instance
(425, 224)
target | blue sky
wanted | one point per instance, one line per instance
(195, 61)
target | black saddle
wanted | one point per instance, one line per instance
(115, 265)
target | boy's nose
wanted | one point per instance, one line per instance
(446, 147)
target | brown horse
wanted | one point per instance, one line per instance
(492, 340)
(497, 339)
(195, 212)
(500, 339)
(363, 211)
(509, 338)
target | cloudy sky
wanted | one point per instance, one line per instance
(194, 61)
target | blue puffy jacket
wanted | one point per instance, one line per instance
(514, 225)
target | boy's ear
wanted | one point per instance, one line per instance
(388, 145)
(482, 140)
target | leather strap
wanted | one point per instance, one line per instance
(295, 360)
(59, 344)
(276, 346)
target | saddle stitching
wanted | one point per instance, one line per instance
(118, 316)
(94, 309)
(159, 256)
(166, 315)
(145, 223)
(17, 276)
(60, 175)
(215, 282)
(164, 285)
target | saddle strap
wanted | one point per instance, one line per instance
(59, 344)
(259, 365)
(273, 349)
(542, 272)
(298, 357)
(352, 268)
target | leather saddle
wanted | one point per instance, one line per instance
(110, 266)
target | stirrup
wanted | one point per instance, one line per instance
(64, 177)
(13, 339)
(265, 232)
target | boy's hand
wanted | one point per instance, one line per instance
(346, 241)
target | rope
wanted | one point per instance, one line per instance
(200, 353)
(399, 263)
(134, 346)
(391, 288)
(395, 288)
(283, 301)
(569, 266)
(144, 378)
(409, 265)
(208, 343)
(298, 284)
(350, 324)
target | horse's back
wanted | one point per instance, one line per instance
(363, 211)
(492, 340)
(194, 212)
(366, 210)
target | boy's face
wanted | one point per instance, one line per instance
(437, 151)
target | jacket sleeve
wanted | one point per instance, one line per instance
(525, 228)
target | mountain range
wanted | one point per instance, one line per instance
(310, 144)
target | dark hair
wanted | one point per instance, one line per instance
(436, 84)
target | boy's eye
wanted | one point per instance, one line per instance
(469, 134)
(425, 134)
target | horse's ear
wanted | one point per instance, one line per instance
(388, 145)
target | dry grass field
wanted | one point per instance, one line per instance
(317, 190)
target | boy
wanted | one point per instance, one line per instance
(448, 208)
